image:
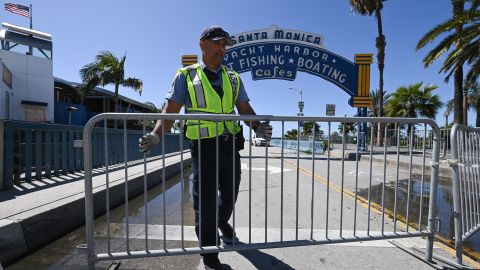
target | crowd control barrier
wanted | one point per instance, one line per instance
(465, 164)
(293, 199)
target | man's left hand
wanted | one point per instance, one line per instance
(264, 130)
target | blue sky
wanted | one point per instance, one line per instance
(154, 34)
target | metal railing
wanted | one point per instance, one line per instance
(33, 151)
(418, 142)
(390, 140)
(315, 223)
(465, 165)
(305, 146)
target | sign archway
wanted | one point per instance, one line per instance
(279, 53)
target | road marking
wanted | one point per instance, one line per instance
(354, 171)
(271, 169)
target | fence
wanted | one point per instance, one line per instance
(305, 146)
(421, 137)
(418, 142)
(465, 164)
(408, 206)
(39, 150)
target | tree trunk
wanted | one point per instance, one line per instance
(115, 103)
(465, 106)
(380, 44)
(115, 98)
(458, 97)
(477, 122)
(458, 108)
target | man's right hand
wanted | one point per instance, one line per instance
(147, 142)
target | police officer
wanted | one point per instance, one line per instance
(210, 88)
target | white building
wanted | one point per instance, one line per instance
(26, 89)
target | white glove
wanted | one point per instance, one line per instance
(264, 130)
(148, 141)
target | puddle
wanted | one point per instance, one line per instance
(63, 254)
(444, 205)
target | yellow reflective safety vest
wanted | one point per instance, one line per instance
(205, 99)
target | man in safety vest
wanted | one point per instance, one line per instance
(210, 88)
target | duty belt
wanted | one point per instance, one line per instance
(221, 138)
(224, 137)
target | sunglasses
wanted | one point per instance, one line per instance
(216, 33)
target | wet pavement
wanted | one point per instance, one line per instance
(444, 205)
(64, 254)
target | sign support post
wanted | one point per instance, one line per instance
(363, 100)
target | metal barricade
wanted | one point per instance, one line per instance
(465, 162)
(390, 140)
(287, 209)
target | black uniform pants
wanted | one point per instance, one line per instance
(206, 195)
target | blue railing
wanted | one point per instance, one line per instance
(36, 151)
(305, 146)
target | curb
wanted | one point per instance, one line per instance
(18, 238)
(417, 168)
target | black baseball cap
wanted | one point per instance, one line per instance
(216, 33)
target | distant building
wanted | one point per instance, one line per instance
(98, 101)
(30, 92)
(26, 88)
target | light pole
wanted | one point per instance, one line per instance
(301, 105)
(70, 110)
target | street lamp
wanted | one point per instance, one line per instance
(300, 108)
(300, 103)
(70, 110)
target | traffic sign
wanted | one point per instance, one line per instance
(330, 110)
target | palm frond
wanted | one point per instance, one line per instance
(413, 101)
(133, 83)
(440, 49)
(448, 107)
(474, 71)
(473, 7)
(445, 27)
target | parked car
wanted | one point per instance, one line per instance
(258, 141)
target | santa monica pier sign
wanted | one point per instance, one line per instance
(279, 53)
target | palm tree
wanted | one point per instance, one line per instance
(374, 110)
(457, 57)
(291, 134)
(414, 101)
(349, 128)
(107, 69)
(369, 7)
(448, 111)
(308, 128)
(473, 100)
(377, 106)
(473, 97)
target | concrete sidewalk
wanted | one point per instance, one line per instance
(30, 213)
